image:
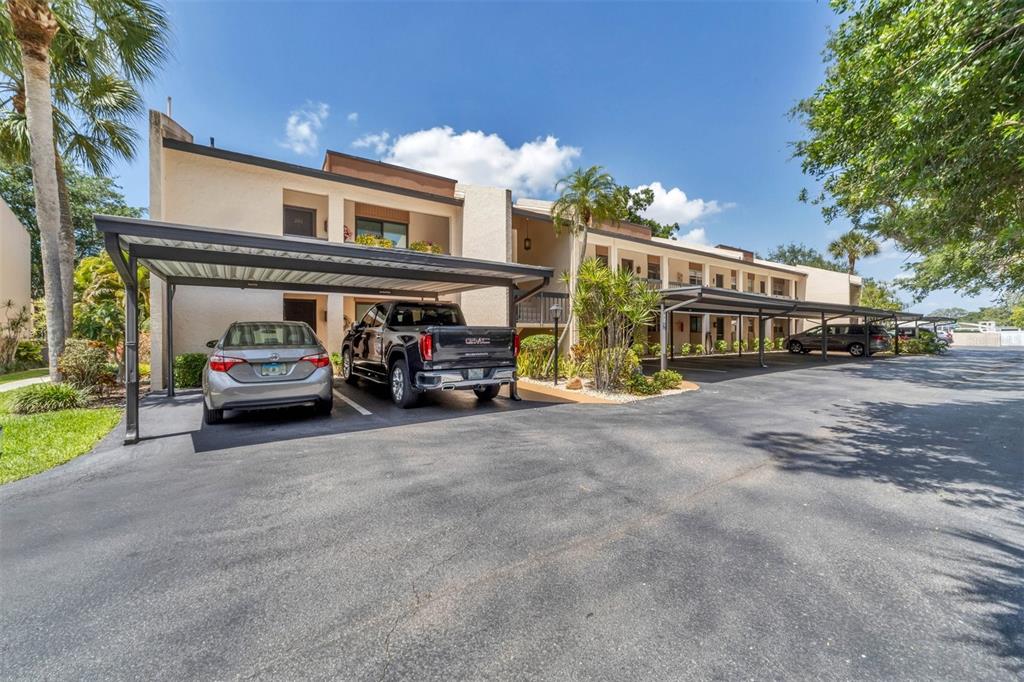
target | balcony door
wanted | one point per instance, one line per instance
(299, 221)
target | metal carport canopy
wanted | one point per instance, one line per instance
(715, 301)
(201, 256)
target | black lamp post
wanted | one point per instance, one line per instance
(556, 310)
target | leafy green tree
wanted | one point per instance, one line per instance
(852, 247)
(917, 134)
(881, 295)
(89, 194)
(632, 205)
(69, 69)
(956, 313)
(801, 254)
(99, 303)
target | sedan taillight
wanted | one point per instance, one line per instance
(427, 347)
(222, 363)
(515, 345)
(318, 360)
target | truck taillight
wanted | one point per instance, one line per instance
(222, 363)
(318, 360)
(427, 347)
(515, 344)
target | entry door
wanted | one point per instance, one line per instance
(299, 221)
(298, 310)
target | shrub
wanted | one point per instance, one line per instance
(639, 349)
(188, 370)
(721, 346)
(425, 247)
(684, 349)
(85, 364)
(667, 379)
(924, 344)
(534, 352)
(47, 398)
(654, 349)
(13, 325)
(638, 384)
(780, 343)
(374, 240)
(29, 354)
(697, 349)
(336, 361)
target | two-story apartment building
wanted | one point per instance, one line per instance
(202, 185)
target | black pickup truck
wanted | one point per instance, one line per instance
(414, 347)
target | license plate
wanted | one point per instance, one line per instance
(475, 374)
(273, 369)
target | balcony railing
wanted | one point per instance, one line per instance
(537, 310)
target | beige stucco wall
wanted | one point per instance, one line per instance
(15, 261)
(199, 190)
(487, 235)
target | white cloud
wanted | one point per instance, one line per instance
(478, 158)
(694, 236)
(353, 117)
(303, 126)
(376, 141)
(673, 206)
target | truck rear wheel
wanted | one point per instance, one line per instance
(402, 392)
(486, 393)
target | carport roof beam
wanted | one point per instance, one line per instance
(701, 299)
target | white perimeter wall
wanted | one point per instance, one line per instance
(15, 261)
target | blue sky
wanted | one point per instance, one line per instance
(693, 96)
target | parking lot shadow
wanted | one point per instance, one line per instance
(713, 369)
(957, 451)
(163, 417)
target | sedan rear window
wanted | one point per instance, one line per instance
(277, 334)
(414, 315)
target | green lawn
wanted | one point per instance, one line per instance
(27, 374)
(36, 442)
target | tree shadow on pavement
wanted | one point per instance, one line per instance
(959, 451)
(969, 455)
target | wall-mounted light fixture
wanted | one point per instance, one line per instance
(527, 243)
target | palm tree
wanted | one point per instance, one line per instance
(102, 50)
(33, 26)
(853, 246)
(585, 197)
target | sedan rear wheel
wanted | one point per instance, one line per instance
(212, 416)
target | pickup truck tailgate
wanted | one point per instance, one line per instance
(473, 346)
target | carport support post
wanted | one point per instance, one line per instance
(739, 334)
(867, 337)
(513, 387)
(131, 351)
(170, 340)
(664, 338)
(824, 339)
(760, 338)
(896, 334)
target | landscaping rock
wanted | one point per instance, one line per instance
(574, 384)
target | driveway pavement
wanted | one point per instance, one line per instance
(855, 520)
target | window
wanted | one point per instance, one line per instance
(696, 276)
(732, 280)
(299, 221)
(374, 317)
(750, 283)
(720, 281)
(627, 264)
(602, 254)
(398, 233)
(695, 323)
(719, 328)
(762, 287)
(778, 287)
(409, 315)
(277, 334)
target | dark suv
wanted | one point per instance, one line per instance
(414, 347)
(848, 337)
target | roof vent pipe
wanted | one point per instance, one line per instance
(211, 143)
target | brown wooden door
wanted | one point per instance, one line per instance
(297, 310)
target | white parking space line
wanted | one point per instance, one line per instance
(351, 403)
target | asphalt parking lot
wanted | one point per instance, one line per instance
(849, 520)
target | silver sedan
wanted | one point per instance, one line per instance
(259, 365)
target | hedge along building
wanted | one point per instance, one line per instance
(204, 186)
